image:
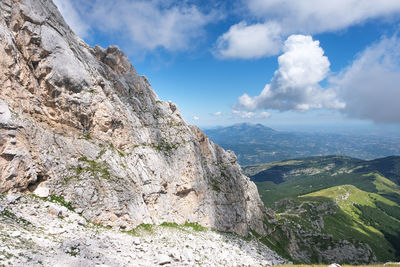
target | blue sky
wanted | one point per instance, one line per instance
(286, 64)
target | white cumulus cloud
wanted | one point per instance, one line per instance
(218, 113)
(281, 18)
(370, 86)
(196, 118)
(295, 84)
(250, 41)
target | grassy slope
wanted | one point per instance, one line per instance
(368, 204)
(372, 182)
(303, 176)
(362, 218)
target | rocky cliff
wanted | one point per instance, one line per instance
(78, 122)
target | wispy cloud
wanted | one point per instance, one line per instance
(316, 16)
(196, 118)
(281, 18)
(370, 85)
(148, 25)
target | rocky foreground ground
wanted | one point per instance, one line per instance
(44, 232)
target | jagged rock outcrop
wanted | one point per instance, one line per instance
(79, 122)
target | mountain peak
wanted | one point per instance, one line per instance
(248, 125)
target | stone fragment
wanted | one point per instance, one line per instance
(12, 198)
(163, 259)
(15, 234)
(5, 115)
(42, 192)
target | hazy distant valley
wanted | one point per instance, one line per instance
(255, 143)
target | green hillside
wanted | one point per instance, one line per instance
(367, 217)
(336, 198)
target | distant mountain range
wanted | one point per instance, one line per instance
(256, 143)
(321, 202)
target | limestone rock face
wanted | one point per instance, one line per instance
(81, 123)
(5, 114)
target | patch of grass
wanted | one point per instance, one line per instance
(111, 145)
(172, 225)
(8, 214)
(101, 153)
(173, 123)
(97, 169)
(6, 254)
(68, 179)
(165, 146)
(73, 251)
(98, 225)
(78, 170)
(195, 226)
(215, 185)
(120, 152)
(87, 137)
(144, 227)
(62, 202)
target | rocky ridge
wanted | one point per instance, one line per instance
(78, 122)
